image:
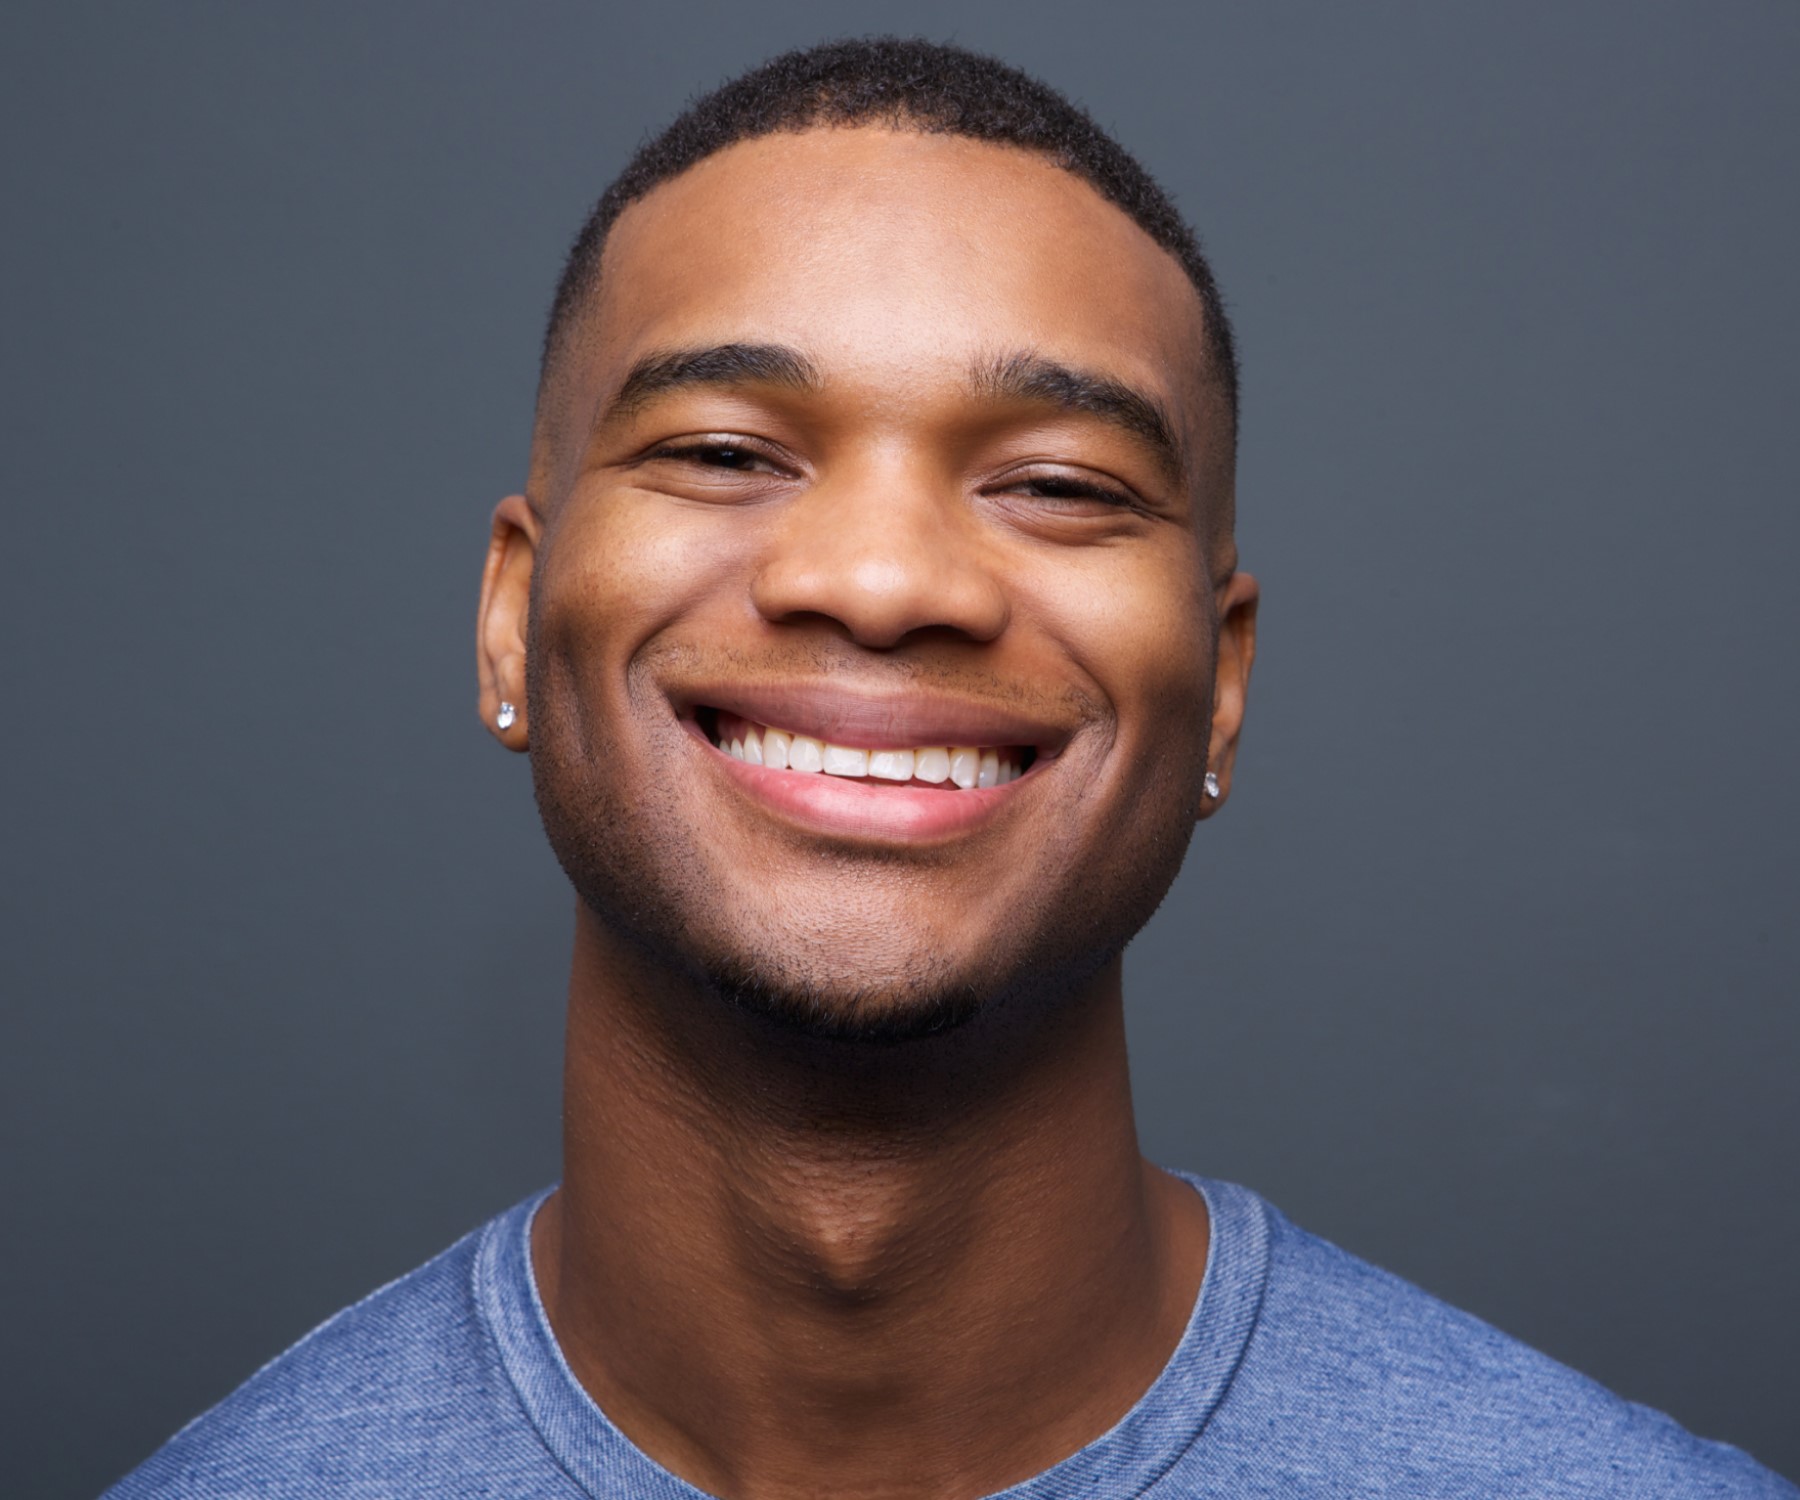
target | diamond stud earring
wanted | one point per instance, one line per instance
(1211, 784)
(504, 719)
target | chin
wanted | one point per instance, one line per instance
(887, 993)
(880, 972)
(847, 1008)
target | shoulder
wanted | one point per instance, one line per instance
(401, 1393)
(1360, 1376)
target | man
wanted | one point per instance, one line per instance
(873, 622)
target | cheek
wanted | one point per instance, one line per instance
(620, 569)
(1139, 624)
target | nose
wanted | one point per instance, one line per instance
(883, 556)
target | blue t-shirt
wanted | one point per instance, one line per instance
(1303, 1373)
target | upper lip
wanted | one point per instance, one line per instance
(875, 717)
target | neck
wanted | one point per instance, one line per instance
(793, 1267)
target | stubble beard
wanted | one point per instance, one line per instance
(627, 852)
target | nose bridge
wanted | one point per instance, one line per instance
(884, 547)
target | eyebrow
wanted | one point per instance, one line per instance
(1008, 377)
(717, 364)
(1033, 377)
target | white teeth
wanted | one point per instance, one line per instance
(932, 765)
(965, 765)
(891, 765)
(840, 760)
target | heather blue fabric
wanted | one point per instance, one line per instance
(1303, 1373)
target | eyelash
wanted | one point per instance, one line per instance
(1063, 487)
(701, 452)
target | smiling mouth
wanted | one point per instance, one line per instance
(948, 768)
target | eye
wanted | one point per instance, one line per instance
(1066, 486)
(734, 457)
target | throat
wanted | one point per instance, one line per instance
(797, 1269)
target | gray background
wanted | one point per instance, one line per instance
(1486, 973)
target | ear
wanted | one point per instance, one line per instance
(500, 624)
(1231, 680)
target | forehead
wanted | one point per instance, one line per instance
(895, 255)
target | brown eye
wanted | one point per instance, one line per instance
(1067, 487)
(714, 455)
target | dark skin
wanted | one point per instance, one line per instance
(785, 1262)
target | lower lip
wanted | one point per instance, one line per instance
(889, 812)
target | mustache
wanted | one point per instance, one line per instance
(925, 667)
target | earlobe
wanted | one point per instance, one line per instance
(501, 621)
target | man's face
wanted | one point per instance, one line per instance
(866, 453)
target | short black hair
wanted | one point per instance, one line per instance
(914, 85)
